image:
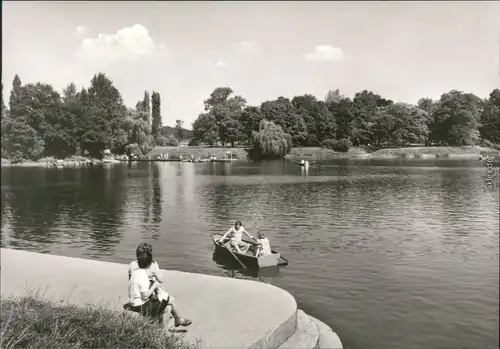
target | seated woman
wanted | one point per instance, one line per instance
(145, 294)
(263, 247)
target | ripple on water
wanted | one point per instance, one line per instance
(380, 253)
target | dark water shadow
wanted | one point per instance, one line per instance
(232, 268)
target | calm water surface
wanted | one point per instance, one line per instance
(391, 254)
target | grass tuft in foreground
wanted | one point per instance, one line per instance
(30, 322)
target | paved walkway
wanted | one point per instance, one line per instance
(226, 313)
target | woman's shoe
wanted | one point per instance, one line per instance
(182, 322)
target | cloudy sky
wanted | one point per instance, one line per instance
(262, 50)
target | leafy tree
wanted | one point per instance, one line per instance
(490, 118)
(15, 96)
(20, 141)
(334, 96)
(271, 141)
(155, 115)
(455, 120)
(343, 112)
(341, 145)
(282, 112)
(400, 123)
(250, 120)
(318, 118)
(166, 140)
(366, 104)
(223, 109)
(4, 108)
(205, 128)
(103, 110)
(178, 129)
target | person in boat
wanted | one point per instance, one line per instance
(263, 247)
(235, 234)
(146, 295)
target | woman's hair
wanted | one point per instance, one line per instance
(238, 222)
(144, 261)
(144, 249)
(144, 254)
(260, 235)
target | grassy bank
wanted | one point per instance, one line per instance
(466, 152)
(34, 323)
(317, 153)
(200, 152)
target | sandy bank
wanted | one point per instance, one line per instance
(226, 313)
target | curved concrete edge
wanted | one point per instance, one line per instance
(328, 339)
(278, 335)
(306, 335)
(226, 312)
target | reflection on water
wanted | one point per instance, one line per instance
(391, 254)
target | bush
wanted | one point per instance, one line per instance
(133, 149)
(194, 143)
(343, 145)
(328, 143)
(33, 323)
(169, 141)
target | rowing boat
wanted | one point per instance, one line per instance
(248, 259)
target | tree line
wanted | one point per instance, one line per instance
(338, 122)
(41, 122)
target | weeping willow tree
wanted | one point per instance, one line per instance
(139, 131)
(271, 141)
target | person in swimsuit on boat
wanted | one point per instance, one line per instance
(235, 234)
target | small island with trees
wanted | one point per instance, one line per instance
(41, 124)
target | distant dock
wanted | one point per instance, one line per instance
(179, 160)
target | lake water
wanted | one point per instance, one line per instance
(391, 254)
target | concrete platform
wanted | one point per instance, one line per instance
(306, 335)
(226, 313)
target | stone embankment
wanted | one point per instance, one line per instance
(226, 313)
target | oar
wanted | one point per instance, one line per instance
(229, 249)
(286, 262)
(237, 259)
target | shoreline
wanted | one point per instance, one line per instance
(84, 282)
(296, 154)
(465, 153)
(73, 161)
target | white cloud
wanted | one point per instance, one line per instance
(247, 46)
(126, 44)
(220, 64)
(79, 31)
(325, 53)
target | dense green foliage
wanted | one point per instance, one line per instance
(271, 141)
(338, 122)
(40, 122)
(31, 322)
